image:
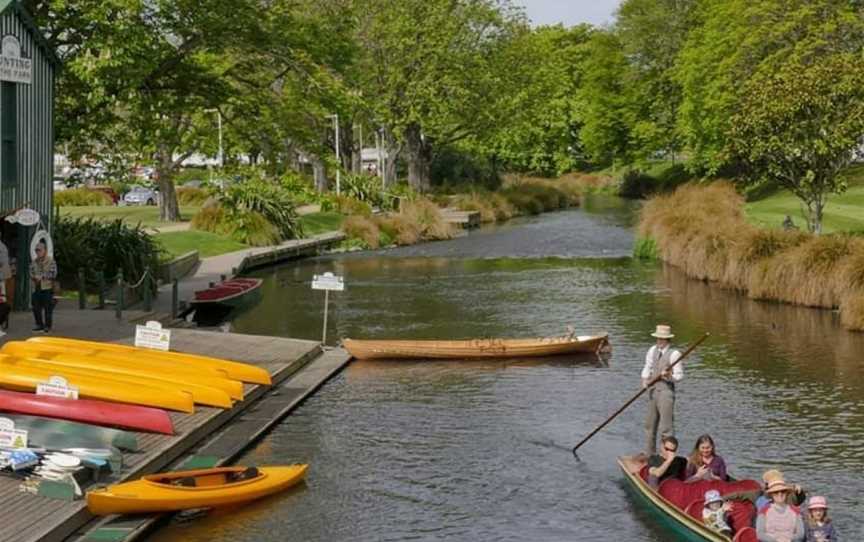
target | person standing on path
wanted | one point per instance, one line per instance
(661, 396)
(43, 273)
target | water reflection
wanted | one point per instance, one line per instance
(481, 450)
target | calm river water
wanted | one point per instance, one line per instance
(480, 450)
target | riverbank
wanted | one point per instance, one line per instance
(703, 230)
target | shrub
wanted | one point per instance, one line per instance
(347, 205)
(364, 229)
(301, 189)
(265, 198)
(399, 229)
(209, 218)
(645, 249)
(189, 195)
(81, 197)
(94, 245)
(365, 188)
(636, 184)
(427, 216)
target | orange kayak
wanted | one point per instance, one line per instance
(182, 490)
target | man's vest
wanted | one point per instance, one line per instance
(660, 363)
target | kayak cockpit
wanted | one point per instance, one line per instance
(207, 478)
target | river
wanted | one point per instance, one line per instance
(480, 450)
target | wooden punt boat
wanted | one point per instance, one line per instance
(685, 521)
(182, 490)
(243, 372)
(158, 370)
(134, 417)
(61, 434)
(475, 348)
(231, 293)
(203, 395)
(25, 378)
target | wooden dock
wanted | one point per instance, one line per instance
(299, 365)
(464, 219)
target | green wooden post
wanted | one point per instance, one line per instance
(82, 289)
(100, 279)
(148, 293)
(118, 309)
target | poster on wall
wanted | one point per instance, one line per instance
(14, 67)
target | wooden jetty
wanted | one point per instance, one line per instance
(297, 367)
(464, 219)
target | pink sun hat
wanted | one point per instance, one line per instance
(817, 502)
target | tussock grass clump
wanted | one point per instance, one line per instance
(427, 216)
(702, 229)
(399, 229)
(209, 218)
(190, 195)
(493, 207)
(362, 228)
(81, 197)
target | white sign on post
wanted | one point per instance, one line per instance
(328, 281)
(11, 437)
(57, 386)
(153, 336)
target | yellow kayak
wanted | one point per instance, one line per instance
(21, 377)
(168, 371)
(182, 490)
(238, 371)
(200, 394)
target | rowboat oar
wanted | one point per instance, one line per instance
(638, 395)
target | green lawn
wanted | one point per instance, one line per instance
(147, 215)
(316, 223)
(843, 213)
(177, 243)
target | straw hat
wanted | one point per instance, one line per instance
(771, 476)
(663, 332)
(776, 485)
(817, 502)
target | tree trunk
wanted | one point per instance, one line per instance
(419, 158)
(319, 172)
(169, 209)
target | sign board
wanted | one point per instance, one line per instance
(25, 217)
(11, 437)
(153, 336)
(328, 281)
(57, 386)
(13, 67)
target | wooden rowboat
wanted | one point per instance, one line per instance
(476, 348)
(230, 293)
(686, 520)
(183, 490)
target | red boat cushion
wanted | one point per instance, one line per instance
(747, 534)
(694, 509)
(682, 494)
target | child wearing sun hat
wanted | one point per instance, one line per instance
(818, 526)
(714, 512)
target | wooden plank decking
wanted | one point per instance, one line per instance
(27, 517)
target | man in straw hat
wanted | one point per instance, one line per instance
(661, 396)
(779, 521)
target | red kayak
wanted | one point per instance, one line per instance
(137, 418)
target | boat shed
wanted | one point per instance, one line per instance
(27, 71)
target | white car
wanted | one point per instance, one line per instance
(140, 195)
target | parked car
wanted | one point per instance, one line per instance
(108, 191)
(141, 195)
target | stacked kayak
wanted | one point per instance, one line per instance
(61, 434)
(134, 417)
(142, 356)
(182, 490)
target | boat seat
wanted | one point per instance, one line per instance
(247, 474)
(186, 481)
(694, 509)
(747, 534)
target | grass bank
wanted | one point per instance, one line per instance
(703, 229)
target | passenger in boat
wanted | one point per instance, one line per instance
(796, 496)
(714, 512)
(704, 463)
(668, 465)
(818, 526)
(661, 396)
(779, 521)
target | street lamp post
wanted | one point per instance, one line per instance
(221, 155)
(335, 118)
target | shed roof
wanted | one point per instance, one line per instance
(30, 24)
